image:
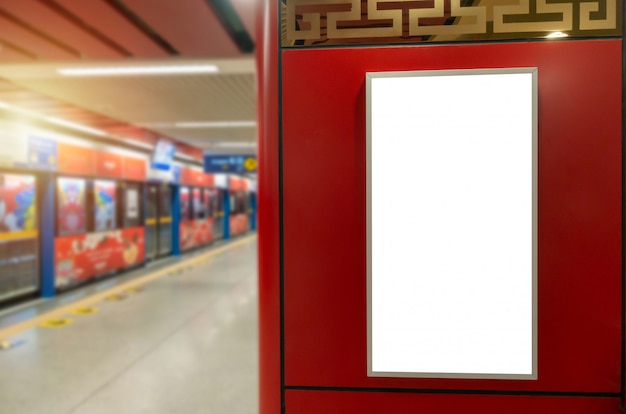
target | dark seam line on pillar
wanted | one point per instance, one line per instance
(459, 392)
(451, 43)
(280, 208)
(623, 269)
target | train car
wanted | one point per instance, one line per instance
(73, 210)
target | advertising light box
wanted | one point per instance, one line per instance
(105, 205)
(452, 288)
(163, 155)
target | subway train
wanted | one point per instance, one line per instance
(73, 210)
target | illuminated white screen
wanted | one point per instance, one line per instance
(452, 273)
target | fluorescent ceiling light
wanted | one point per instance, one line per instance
(215, 124)
(20, 111)
(555, 35)
(137, 143)
(185, 157)
(75, 126)
(138, 70)
(235, 144)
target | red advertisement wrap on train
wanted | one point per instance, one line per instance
(195, 233)
(82, 257)
(239, 224)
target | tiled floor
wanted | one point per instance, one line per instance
(186, 344)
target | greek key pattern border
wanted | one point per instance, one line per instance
(307, 21)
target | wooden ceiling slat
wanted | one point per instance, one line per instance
(105, 19)
(54, 24)
(30, 41)
(8, 55)
(201, 34)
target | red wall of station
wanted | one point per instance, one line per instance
(324, 303)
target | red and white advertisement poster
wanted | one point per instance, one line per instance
(82, 257)
(238, 224)
(109, 164)
(194, 233)
(71, 206)
(185, 206)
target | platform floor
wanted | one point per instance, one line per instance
(185, 343)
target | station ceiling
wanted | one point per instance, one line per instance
(206, 110)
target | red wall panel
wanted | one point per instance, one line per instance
(315, 402)
(135, 168)
(196, 178)
(109, 165)
(579, 210)
(76, 160)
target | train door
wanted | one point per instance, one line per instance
(151, 221)
(19, 241)
(165, 220)
(217, 197)
(208, 205)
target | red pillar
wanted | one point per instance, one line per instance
(268, 210)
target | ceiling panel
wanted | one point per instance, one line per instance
(27, 39)
(46, 106)
(190, 26)
(104, 18)
(50, 18)
(152, 102)
(157, 99)
(207, 138)
(130, 32)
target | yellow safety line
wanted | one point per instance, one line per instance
(151, 222)
(27, 234)
(165, 220)
(97, 297)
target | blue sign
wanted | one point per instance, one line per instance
(176, 172)
(237, 164)
(42, 154)
(163, 155)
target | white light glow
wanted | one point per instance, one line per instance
(215, 124)
(139, 70)
(138, 144)
(185, 157)
(227, 144)
(54, 120)
(75, 126)
(556, 35)
(452, 273)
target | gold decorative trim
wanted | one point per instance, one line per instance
(312, 22)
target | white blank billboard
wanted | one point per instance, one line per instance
(451, 201)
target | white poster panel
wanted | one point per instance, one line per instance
(132, 203)
(452, 280)
(13, 144)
